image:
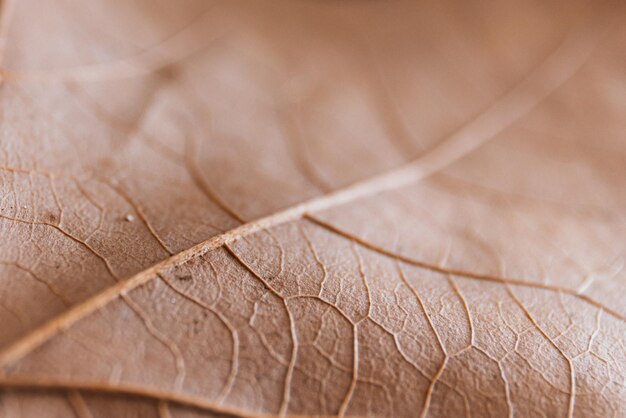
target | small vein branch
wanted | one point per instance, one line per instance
(78, 404)
(98, 387)
(140, 213)
(231, 328)
(71, 237)
(179, 360)
(458, 273)
(175, 48)
(201, 183)
(56, 292)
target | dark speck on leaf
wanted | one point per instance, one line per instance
(168, 72)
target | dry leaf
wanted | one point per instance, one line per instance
(312, 208)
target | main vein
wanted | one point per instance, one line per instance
(553, 71)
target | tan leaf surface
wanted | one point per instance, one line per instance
(312, 208)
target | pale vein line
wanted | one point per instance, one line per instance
(139, 211)
(572, 393)
(363, 277)
(234, 367)
(164, 411)
(177, 355)
(297, 146)
(468, 313)
(78, 404)
(431, 387)
(201, 183)
(435, 379)
(56, 292)
(459, 273)
(126, 390)
(284, 407)
(556, 69)
(7, 10)
(355, 373)
(294, 337)
(80, 242)
(175, 48)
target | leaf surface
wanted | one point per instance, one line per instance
(312, 208)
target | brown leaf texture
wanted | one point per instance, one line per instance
(298, 208)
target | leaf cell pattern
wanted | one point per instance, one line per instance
(235, 209)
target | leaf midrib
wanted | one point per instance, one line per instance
(553, 71)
